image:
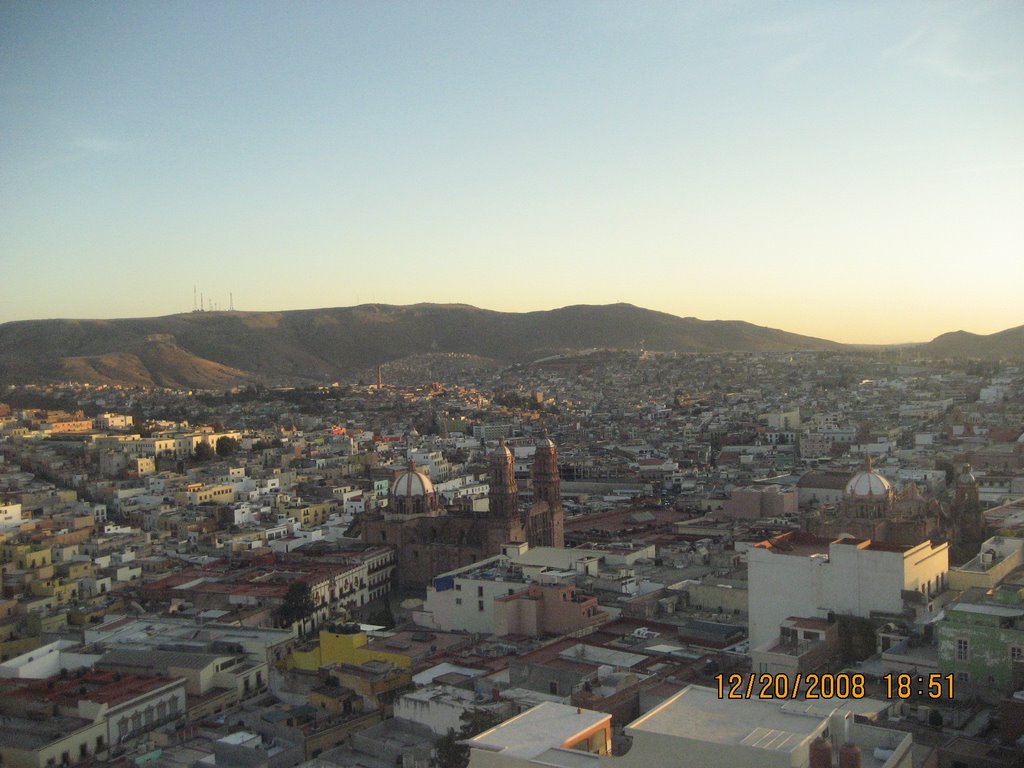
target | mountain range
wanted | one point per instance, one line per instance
(222, 349)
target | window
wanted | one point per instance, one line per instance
(553, 687)
(458, 587)
(458, 601)
(479, 591)
(1016, 653)
(479, 605)
(963, 649)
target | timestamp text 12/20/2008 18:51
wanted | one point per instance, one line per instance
(830, 686)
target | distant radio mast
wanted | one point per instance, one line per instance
(231, 302)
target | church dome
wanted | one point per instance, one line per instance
(867, 484)
(412, 483)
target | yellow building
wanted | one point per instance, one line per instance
(25, 557)
(342, 646)
(62, 592)
(15, 645)
(210, 494)
(309, 515)
(75, 425)
(377, 683)
(79, 569)
(996, 559)
(44, 741)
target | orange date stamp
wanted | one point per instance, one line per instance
(766, 685)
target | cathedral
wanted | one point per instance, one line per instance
(871, 509)
(430, 539)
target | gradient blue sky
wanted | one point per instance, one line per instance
(843, 169)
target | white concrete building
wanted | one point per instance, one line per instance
(48, 660)
(464, 598)
(114, 421)
(462, 488)
(441, 707)
(802, 576)
(551, 735)
(697, 728)
(786, 420)
(438, 467)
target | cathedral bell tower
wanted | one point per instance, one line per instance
(546, 527)
(547, 485)
(504, 493)
(970, 521)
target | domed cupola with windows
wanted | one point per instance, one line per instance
(868, 494)
(412, 493)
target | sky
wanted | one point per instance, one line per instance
(849, 170)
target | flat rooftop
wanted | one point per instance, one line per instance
(993, 552)
(988, 610)
(100, 686)
(544, 727)
(797, 543)
(697, 713)
(24, 733)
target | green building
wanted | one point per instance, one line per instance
(981, 641)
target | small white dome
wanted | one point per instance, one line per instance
(412, 483)
(867, 484)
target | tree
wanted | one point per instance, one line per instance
(227, 446)
(297, 604)
(382, 617)
(451, 754)
(856, 638)
(203, 452)
(947, 467)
